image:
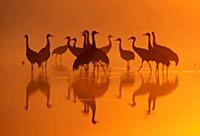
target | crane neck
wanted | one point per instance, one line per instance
(93, 41)
(84, 41)
(154, 40)
(87, 40)
(27, 44)
(133, 44)
(149, 42)
(48, 43)
(120, 45)
(109, 40)
(74, 43)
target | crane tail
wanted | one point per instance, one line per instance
(76, 65)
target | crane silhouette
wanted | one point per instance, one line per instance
(106, 49)
(59, 51)
(76, 51)
(125, 54)
(44, 53)
(92, 54)
(171, 55)
(144, 54)
(158, 56)
(31, 55)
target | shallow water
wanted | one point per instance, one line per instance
(63, 102)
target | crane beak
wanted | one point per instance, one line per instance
(129, 38)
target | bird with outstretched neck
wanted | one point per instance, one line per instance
(59, 51)
(44, 53)
(106, 49)
(125, 54)
(171, 55)
(31, 55)
(92, 54)
(76, 51)
(144, 54)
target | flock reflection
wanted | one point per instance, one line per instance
(86, 87)
(154, 89)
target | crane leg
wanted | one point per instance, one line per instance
(56, 59)
(163, 74)
(141, 66)
(149, 66)
(31, 67)
(157, 69)
(154, 104)
(102, 66)
(60, 59)
(167, 72)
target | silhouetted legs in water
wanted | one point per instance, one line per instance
(56, 59)
(141, 66)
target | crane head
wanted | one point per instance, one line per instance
(26, 36)
(85, 31)
(110, 36)
(67, 37)
(49, 35)
(74, 39)
(118, 39)
(146, 34)
(132, 38)
(94, 32)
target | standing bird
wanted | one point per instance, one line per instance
(76, 51)
(125, 54)
(157, 55)
(31, 55)
(92, 54)
(171, 55)
(59, 51)
(144, 54)
(107, 48)
(44, 53)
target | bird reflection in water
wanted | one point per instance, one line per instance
(142, 90)
(34, 85)
(158, 90)
(127, 79)
(155, 90)
(87, 87)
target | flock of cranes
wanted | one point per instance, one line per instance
(89, 53)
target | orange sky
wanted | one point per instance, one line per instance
(176, 22)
